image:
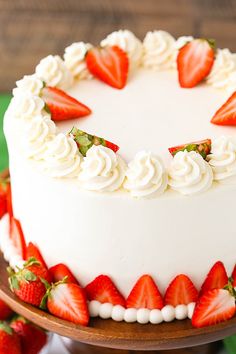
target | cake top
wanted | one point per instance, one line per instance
(143, 98)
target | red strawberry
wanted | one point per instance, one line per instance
(9, 201)
(226, 114)
(17, 236)
(5, 311)
(213, 307)
(203, 147)
(181, 291)
(145, 294)
(103, 289)
(109, 64)
(32, 338)
(234, 276)
(32, 251)
(63, 106)
(60, 271)
(67, 301)
(5, 197)
(9, 340)
(29, 283)
(194, 62)
(85, 141)
(216, 279)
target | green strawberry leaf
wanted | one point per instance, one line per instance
(4, 327)
(29, 276)
(14, 283)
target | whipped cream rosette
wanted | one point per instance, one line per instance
(26, 106)
(74, 58)
(30, 84)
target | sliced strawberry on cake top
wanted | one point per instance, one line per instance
(216, 279)
(203, 147)
(181, 291)
(226, 114)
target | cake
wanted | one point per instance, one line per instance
(158, 208)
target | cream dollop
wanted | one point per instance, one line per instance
(159, 50)
(182, 41)
(53, 71)
(62, 157)
(74, 58)
(26, 106)
(224, 66)
(146, 175)
(223, 158)
(29, 84)
(189, 173)
(128, 42)
(102, 170)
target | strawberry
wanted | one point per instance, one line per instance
(5, 311)
(195, 61)
(226, 114)
(29, 283)
(32, 338)
(203, 147)
(17, 236)
(67, 301)
(216, 279)
(109, 64)
(103, 289)
(63, 106)
(181, 291)
(213, 307)
(234, 276)
(60, 271)
(9, 340)
(9, 201)
(145, 294)
(32, 251)
(4, 196)
(85, 141)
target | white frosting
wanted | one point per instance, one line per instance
(223, 158)
(26, 106)
(159, 50)
(223, 69)
(53, 71)
(189, 173)
(127, 41)
(29, 84)
(74, 58)
(102, 170)
(181, 41)
(62, 157)
(145, 175)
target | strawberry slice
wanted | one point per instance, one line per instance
(195, 61)
(109, 64)
(17, 236)
(145, 294)
(32, 251)
(5, 197)
(103, 290)
(226, 114)
(85, 141)
(203, 147)
(181, 291)
(234, 276)
(216, 279)
(63, 106)
(60, 271)
(213, 307)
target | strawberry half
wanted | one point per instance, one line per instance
(226, 114)
(60, 271)
(145, 294)
(195, 61)
(213, 307)
(5, 311)
(103, 290)
(17, 237)
(32, 251)
(63, 106)
(181, 291)
(85, 141)
(109, 64)
(203, 147)
(234, 276)
(216, 279)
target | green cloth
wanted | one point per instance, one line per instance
(4, 101)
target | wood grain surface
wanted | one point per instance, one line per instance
(31, 29)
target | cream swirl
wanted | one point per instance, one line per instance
(223, 158)
(74, 58)
(26, 106)
(189, 173)
(53, 71)
(224, 66)
(102, 170)
(159, 50)
(128, 42)
(29, 84)
(182, 41)
(62, 157)
(145, 175)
